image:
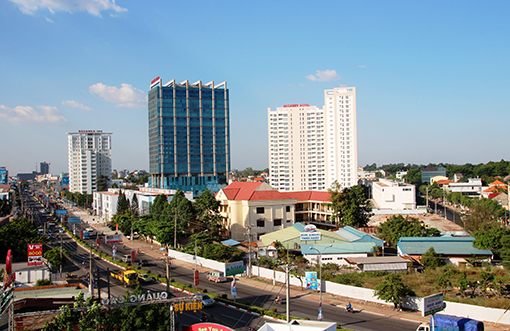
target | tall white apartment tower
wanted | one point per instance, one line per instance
(310, 148)
(89, 155)
(340, 136)
(296, 148)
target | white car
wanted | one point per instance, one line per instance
(206, 300)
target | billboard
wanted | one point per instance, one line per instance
(234, 268)
(206, 326)
(113, 238)
(61, 212)
(35, 252)
(74, 220)
(3, 176)
(311, 280)
(432, 304)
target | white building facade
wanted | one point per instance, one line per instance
(296, 148)
(340, 137)
(89, 155)
(390, 194)
(310, 147)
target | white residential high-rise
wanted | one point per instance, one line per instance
(296, 148)
(310, 147)
(341, 139)
(89, 155)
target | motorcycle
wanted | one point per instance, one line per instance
(349, 310)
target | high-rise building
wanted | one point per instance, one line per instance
(189, 139)
(296, 148)
(310, 148)
(89, 156)
(340, 136)
(45, 168)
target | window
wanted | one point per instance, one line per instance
(277, 222)
(287, 209)
(260, 210)
(260, 223)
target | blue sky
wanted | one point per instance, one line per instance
(432, 77)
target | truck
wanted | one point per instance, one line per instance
(127, 277)
(451, 323)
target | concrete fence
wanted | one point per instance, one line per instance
(490, 315)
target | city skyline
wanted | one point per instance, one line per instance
(431, 78)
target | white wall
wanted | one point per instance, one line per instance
(452, 308)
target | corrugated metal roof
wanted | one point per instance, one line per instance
(445, 245)
(337, 248)
(292, 235)
(352, 235)
(230, 242)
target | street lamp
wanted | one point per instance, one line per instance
(320, 317)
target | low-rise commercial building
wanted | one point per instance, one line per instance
(390, 194)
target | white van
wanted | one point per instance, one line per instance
(216, 276)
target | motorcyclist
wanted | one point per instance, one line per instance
(348, 307)
(277, 300)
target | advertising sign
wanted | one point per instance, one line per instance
(113, 238)
(207, 326)
(61, 212)
(432, 304)
(197, 279)
(311, 280)
(35, 253)
(234, 268)
(310, 236)
(74, 220)
(3, 176)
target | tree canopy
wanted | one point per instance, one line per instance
(397, 226)
(430, 259)
(16, 235)
(350, 206)
(392, 289)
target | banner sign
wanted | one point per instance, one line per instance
(61, 212)
(432, 304)
(113, 238)
(74, 220)
(234, 268)
(35, 253)
(310, 236)
(311, 280)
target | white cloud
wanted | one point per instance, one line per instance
(324, 76)
(94, 7)
(362, 66)
(75, 104)
(126, 96)
(29, 114)
(49, 20)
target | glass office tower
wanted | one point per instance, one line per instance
(189, 139)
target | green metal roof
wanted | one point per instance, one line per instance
(445, 245)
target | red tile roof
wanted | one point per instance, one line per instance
(310, 196)
(444, 181)
(493, 195)
(494, 188)
(497, 183)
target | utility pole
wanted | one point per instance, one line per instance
(167, 278)
(175, 229)
(249, 251)
(91, 278)
(287, 294)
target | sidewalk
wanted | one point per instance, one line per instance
(311, 296)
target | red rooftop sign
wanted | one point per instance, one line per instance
(296, 105)
(154, 80)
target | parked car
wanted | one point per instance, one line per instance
(144, 278)
(143, 263)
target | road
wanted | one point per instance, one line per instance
(303, 305)
(451, 214)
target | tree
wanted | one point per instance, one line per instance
(53, 257)
(122, 203)
(350, 206)
(134, 206)
(16, 235)
(392, 289)
(430, 259)
(463, 283)
(206, 208)
(397, 226)
(481, 215)
(102, 183)
(443, 281)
